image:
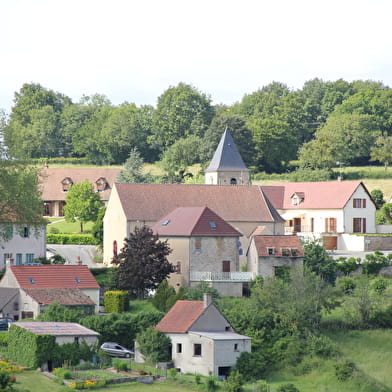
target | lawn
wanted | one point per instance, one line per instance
(69, 227)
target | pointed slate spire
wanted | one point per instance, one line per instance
(226, 156)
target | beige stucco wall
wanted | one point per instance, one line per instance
(27, 304)
(115, 227)
(180, 253)
(94, 295)
(224, 178)
(225, 353)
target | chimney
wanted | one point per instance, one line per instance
(207, 299)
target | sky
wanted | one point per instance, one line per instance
(134, 50)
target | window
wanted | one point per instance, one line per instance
(26, 232)
(29, 257)
(47, 209)
(7, 256)
(197, 350)
(271, 251)
(294, 252)
(178, 267)
(179, 348)
(226, 266)
(198, 243)
(9, 232)
(285, 251)
(19, 259)
(236, 347)
(212, 225)
(330, 225)
(359, 203)
(233, 181)
(359, 225)
(76, 339)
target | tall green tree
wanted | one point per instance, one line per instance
(82, 203)
(382, 150)
(181, 111)
(142, 262)
(34, 127)
(343, 138)
(21, 201)
(183, 153)
(133, 169)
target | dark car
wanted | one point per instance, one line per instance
(115, 350)
(5, 323)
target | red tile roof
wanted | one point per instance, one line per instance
(263, 242)
(52, 188)
(150, 202)
(181, 317)
(323, 194)
(194, 221)
(54, 276)
(65, 297)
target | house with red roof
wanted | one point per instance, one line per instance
(269, 255)
(205, 248)
(242, 206)
(55, 183)
(331, 210)
(203, 341)
(41, 285)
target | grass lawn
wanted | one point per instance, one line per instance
(69, 227)
(34, 381)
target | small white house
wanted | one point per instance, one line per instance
(203, 341)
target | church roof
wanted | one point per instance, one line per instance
(226, 156)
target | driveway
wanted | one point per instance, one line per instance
(76, 254)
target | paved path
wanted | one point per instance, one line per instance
(73, 253)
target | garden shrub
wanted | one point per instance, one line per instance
(154, 345)
(261, 386)
(348, 265)
(6, 381)
(321, 346)
(211, 384)
(173, 373)
(62, 373)
(379, 285)
(71, 239)
(4, 338)
(287, 388)
(120, 365)
(346, 284)
(197, 379)
(234, 382)
(344, 370)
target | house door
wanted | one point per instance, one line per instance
(297, 225)
(226, 266)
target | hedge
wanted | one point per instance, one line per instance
(116, 301)
(74, 239)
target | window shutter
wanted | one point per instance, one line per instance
(363, 203)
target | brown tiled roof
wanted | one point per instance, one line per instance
(194, 221)
(150, 202)
(263, 242)
(52, 188)
(181, 317)
(66, 297)
(54, 276)
(56, 328)
(323, 194)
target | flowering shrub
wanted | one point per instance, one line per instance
(88, 384)
(9, 367)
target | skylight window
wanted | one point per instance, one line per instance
(213, 225)
(166, 222)
(77, 280)
(31, 280)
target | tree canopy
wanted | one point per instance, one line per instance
(142, 262)
(82, 203)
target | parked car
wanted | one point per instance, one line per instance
(115, 350)
(5, 323)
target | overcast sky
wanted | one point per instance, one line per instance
(133, 50)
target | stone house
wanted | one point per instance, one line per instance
(56, 182)
(38, 286)
(205, 248)
(268, 254)
(203, 341)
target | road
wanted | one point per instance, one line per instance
(73, 253)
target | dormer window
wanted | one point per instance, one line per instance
(212, 225)
(66, 183)
(101, 184)
(285, 251)
(297, 198)
(271, 251)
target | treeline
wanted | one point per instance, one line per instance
(319, 125)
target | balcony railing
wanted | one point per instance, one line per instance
(297, 229)
(239, 276)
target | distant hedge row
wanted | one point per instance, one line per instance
(71, 239)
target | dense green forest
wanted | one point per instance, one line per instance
(322, 125)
